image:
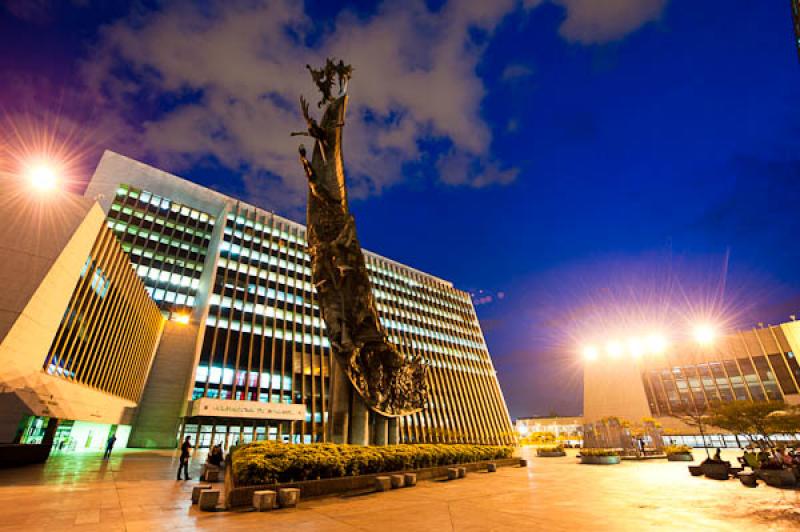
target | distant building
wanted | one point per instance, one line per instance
(568, 429)
(752, 365)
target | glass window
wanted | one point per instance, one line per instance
(782, 372)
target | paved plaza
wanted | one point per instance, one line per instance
(136, 490)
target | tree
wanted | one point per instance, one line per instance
(753, 419)
(695, 416)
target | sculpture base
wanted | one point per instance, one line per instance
(351, 421)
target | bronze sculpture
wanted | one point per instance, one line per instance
(389, 382)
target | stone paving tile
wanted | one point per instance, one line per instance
(136, 490)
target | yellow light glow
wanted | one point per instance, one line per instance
(183, 319)
(614, 349)
(635, 347)
(590, 353)
(704, 334)
(42, 176)
(656, 344)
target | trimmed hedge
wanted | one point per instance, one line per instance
(677, 449)
(551, 448)
(600, 452)
(268, 462)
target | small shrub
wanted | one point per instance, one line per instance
(551, 449)
(677, 449)
(268, 462)
(600, 452)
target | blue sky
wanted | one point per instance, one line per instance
(567, 161)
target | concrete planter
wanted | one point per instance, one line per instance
(680, 457)
(778, 478)
(716, 471)
(748, 479)
(696, 470)
(242, 496)
(550, 454)
(600, 460)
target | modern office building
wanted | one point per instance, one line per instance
(244, 354)
(754, 365)
(78, 331)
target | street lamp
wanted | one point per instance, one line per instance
(614, 349)
(656, 344)
(41, 175)
(704, 334)
(590, 353)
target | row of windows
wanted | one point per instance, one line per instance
(226, 376)
(155, 237)
(235, 250)
(164, 203)
(161, 295)
(303, 319)
(237, 325)
(143, 253)
(158, 220)
(165, 276)
(765, 377)
(265, 244)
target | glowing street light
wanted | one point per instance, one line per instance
(614, 349)
(656, 344)
(635, 347)
(42, 175)
(704, 334)
(590, 353)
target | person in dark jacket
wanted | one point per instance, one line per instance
(184, 460)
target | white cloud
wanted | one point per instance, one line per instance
(414, 78)
(599, 21)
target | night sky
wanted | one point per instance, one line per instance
(584, 168)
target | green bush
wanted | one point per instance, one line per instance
(677, 449)
(551, 448)
(268, 462)
(600, 452)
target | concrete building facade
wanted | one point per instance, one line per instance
(77, 330)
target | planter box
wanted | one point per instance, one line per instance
(600, 460)
(550, 454)
(778, 478)
(748, 479)
(716, 471)
(680, 457)
(695, 470)
(242, 496)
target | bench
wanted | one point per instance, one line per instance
(264, 500)
(208, 500)
(410, 479)
(288, 497)
(196, 491)
(383, 483)
(398, 481)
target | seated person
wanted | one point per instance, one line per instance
(751, 460)
(215, 457)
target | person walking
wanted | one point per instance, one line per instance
(110, 446)
(184, 460)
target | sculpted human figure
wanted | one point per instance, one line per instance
(389, 382)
